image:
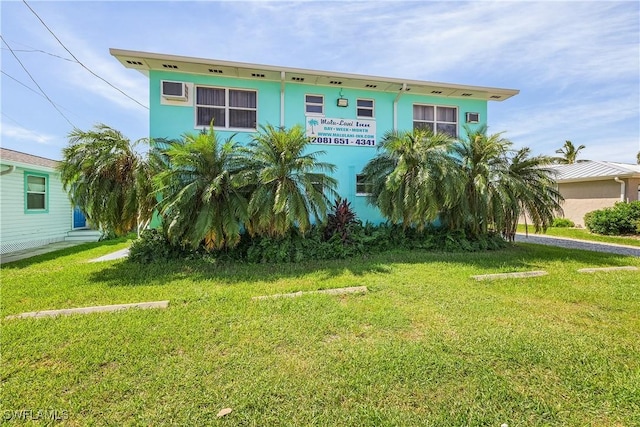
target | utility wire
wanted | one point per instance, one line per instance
(36, 83)
(78, 61)
(30, 88)
(41, 51)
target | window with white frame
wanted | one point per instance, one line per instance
(228, 108)
(314, 104)
(364, 108)
(439, 119)
(35, 192)
(363, 187)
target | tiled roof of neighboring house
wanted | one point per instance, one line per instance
(593, 170)
(29, 159)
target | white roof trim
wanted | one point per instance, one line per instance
(145, 61)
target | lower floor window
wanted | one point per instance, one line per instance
(36, 192)
(363, 188)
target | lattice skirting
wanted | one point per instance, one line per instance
(6, 248)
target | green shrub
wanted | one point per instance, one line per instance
(153, 245)
(562, 223)
(362, 240)
(622, 218)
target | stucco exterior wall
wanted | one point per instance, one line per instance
(583, 197)
(21, 229)
(633, 189)
(171, 121)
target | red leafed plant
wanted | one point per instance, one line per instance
(339, 219)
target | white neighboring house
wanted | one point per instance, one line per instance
(591, 185)
(34, 208)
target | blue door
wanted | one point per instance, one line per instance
(79, 221)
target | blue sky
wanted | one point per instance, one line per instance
(576, 64)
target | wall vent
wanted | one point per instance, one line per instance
(173, 67)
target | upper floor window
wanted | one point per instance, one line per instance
(35, 192)
(437, 118)
(228, 108)
(364, 108)
(314, 104)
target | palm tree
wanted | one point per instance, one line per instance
(312, 123)
(482, 162)
(532, 191)
(290, 183)
(99, 170)
(500, 186)
(569, 153)
(204, 196)
(413, 177)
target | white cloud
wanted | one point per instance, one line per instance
(19, 133)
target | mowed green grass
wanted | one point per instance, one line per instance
(583, 234)
(426, 346)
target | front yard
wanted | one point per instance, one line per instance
(426, 345)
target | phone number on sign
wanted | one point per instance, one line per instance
(341, 141)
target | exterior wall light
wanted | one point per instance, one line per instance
(342, 101)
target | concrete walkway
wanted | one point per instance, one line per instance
(578, 244)
(51, 247)
(31, 252)
(122, 253)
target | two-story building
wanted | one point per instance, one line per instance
(345, 115)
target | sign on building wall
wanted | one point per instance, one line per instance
(324, 131)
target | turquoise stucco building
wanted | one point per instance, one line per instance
(344, 114)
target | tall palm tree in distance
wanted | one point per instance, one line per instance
(569, 153)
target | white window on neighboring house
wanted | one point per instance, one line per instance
(364, 108)
(363, 188)
(314, 104)
(439, 119)
(228, 108)
(36, 193)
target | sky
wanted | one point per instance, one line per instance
(576, 64)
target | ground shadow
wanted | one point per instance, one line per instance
(515, 257)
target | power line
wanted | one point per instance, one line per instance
(30, 88)
(78, 61)
(36, 83)
(42, 51)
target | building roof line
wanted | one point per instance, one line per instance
(145, 61)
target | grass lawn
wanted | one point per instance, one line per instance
(426, 346)
(584, 234)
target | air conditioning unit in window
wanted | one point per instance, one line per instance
(174, 91)
(473, 117)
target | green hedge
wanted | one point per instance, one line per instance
(315, 245)
(623, 218)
